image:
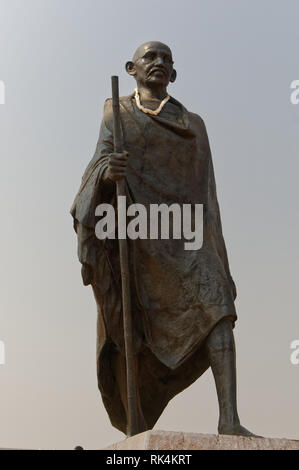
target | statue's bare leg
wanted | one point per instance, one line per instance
(221, 349)
(120, 372)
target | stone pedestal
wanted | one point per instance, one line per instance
(168, 440)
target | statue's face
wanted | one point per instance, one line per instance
(152, 65)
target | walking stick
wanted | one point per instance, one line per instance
(132, 427)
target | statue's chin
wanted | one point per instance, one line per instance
(157, 80)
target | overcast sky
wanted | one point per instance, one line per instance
(235, 62)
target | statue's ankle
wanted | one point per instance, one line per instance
(227, 425)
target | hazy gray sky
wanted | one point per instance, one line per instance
(235, 62)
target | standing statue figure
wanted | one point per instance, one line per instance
(182, 301)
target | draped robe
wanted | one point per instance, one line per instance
(177, 295)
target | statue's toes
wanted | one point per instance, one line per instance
(236, 430)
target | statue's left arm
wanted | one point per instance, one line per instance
(213, 210)
(213, 201)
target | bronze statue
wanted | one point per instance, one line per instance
(182, 301)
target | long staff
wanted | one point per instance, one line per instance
(132, 428)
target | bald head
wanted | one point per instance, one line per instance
(152, 65)
(148, 46)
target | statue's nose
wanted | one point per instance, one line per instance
(159, 61)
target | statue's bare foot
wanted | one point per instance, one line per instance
(235, 430)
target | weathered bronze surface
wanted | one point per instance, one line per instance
(182, 301)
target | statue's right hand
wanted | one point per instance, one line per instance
(117, 165)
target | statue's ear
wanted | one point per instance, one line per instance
(130, 68)
(173, 76)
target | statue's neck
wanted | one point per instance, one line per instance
(151, 94)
